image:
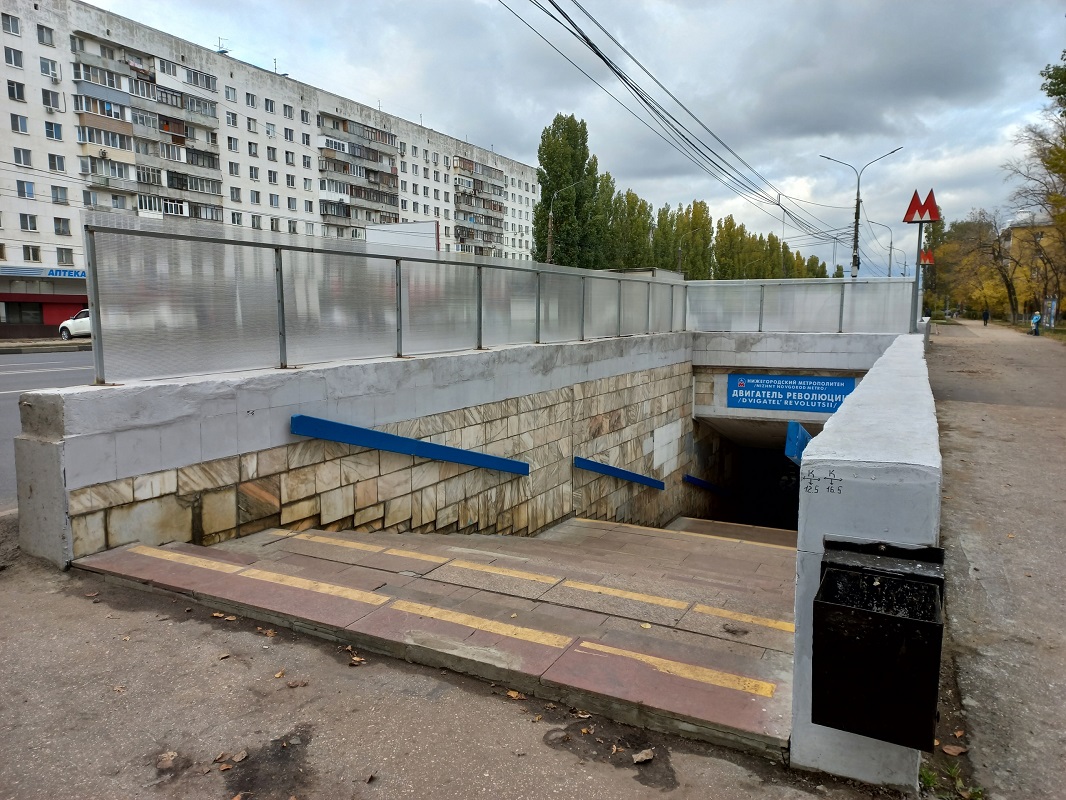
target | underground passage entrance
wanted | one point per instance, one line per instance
(760, 484)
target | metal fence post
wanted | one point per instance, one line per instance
(762, 302)
(399, 310)
(537, 317)
(479, 289)
(581, 316)
(94, 305)
(840, 321)
(684, 310)
(618, 331)
(673, 291)
(647, 319)
(279, 285)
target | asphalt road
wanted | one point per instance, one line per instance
(24, 373)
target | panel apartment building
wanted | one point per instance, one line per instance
(108, 114)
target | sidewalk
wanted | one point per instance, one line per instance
(57, 345)
(1001, 405)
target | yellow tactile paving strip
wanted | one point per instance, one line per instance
(557, 641)
(666, 602)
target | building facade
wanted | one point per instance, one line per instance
(108, 114)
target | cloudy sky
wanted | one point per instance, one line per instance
(949, 81)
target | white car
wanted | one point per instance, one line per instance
(78, 325)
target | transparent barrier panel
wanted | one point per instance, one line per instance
(660, 307)
(634, 307)
(720, 306)
(680, 295)
(439, 307)
(560, 308)
(510, 303)
(878, 306)
(170, 308)
(601, 307)
(801, 308)
(338, 307)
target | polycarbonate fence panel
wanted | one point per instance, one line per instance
(560, 308)
(882, 306)
(439, 307)
(720, 306)
(170, 308)
(510, 303)
(601, 307)
(660, 307)
(634, 307)
(801, 308)
(680, 299)
(338, 307)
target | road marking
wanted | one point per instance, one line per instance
(610, 590)
(411, 554)
(690, 671)
(184, 558)
(311, 537)
(511, 573)
(738, 616)
(29, 363)
(316, 586)
(480, 623)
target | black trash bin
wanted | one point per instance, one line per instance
(878, 631)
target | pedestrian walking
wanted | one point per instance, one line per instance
(984, 316)
(1035, 323)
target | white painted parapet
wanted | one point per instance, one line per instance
(880, 453)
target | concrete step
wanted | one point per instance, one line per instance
(649, 659)
(732, 530)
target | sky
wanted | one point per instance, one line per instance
(951, 82)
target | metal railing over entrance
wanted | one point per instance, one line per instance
(174, 299)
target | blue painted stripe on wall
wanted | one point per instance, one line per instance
(617, 472)
(303, 425)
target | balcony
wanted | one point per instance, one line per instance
(114, 184)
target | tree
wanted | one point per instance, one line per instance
(1054, 85)
(568, 178)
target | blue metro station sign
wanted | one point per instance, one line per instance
(788, 392)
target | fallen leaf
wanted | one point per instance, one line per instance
(125, 638)
(296, 684)
(218, 614)
(221, 757)
(538, 718)
(960, 733)
(954, 749)
(204, 770)
(92, 594)
(230, 618)
(240, 756)
(645, 624)
(224, 767)
(516, 695)
(598, 739)
(513, 616)
(119, 689)
(1010, 535)
(550, 706)
(936, 743)
(585, 731)
(271, 633)
(643, 755)
(166, 760)
(280, 674)
(582, 714)
(223, 657)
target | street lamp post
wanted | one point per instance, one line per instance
(858, 201)
(883, 225)
(551, 217)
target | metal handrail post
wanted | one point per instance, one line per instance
(618, 326)
(581, 317)
(480, 291)
(647, 319)
(279, 290)
(399, 310)
(762, 303)
(840, 321)
(93, 287)
(536, 322)
(673, 291)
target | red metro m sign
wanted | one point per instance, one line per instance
(918, 211)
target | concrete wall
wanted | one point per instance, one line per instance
(208, 458)
(836, 352)
(883, 446)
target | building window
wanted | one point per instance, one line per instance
(425, 191)
(249, 99)
(59, 195)
(275, 224)
(25, 189)
(50, 98)
(309, 206)
(268, 105)
(257, 222)
(236, 218)
(253, 149)
(11, 25)
(272, 154)
(22, 157)
(309, 228)
(292, 226)
(287, 110)
(31, 252)
(28, 222)
(13, 57)
(436, 194)
(168, 67)
(235, 194)
(403, 205)
(77, 44)
(253, 197)
(251, 125)
(53, 130)
(290, 181)
(275, 201)
(305, 117)
(307, 162)
(118, 201)
(49, 68)
(46, 36)
(290, 158)
(65, 256)
(62, 226)
(272, 176)
(16, 91)
(292, 203)
(231, 119)
(234, 169)
(253, 173)
(290, 135)
(308, 185)
(19, 124)
(173, 207)
(232, 143)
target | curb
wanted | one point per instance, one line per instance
(21, 349)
